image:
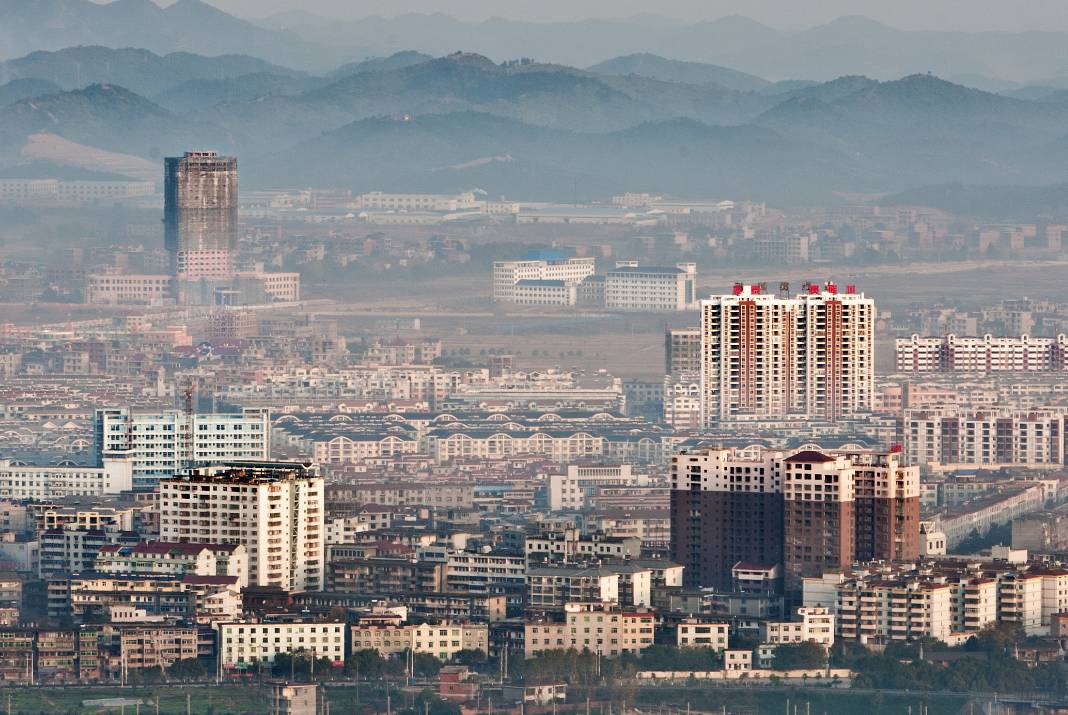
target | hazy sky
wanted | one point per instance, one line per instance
(971, 15)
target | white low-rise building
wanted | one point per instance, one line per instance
(19, 481)
(176, 559)
(245, 644)
(696, 634)
(630, 287)
(537, 267)
(569, 491)
(814, 625)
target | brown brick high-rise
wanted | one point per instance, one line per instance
(811, 511)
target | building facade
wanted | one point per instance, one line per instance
(766, 355)
(809, 511)
(274, 509)
(200, 199)
(985, 354)
(162, 443)
(539, 266)
(635, 288)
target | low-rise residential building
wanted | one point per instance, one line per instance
(178, 559)
(569, 546)
(814, 624)
(19, 481)
(552, 588)
(441, 640)
(630, 287)
(245, 644)
(693, 633)
(598, 628)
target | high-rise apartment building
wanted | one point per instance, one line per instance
(766, 355)
(274, 509)
(809, 511)
(726, 507)
(200, 214)
(162, 443)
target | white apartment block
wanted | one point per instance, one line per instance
(768, 356)
(984, 354)
(162, 443)
(630, 287)
(815, 624)
(175, 559)
(128, 289)
(378, 200)
(991, 437)
(349, 450)
(32, 482)
(72, 192)
(283, 287)
(552, 588)
(569, 545)
(345, 530)
(606, 631)
(244, 644)
(695, 634)
(538, 266)
(571, 490)
(441, 640)
(544, 292)
(682, 402)
(946, 603)
(275, 510)
(895, 611)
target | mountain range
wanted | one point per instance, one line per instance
(539, 131)
(852, 44)
(995, 61)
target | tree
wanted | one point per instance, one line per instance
(469, 657)
(370, 665)
(187, 669)
(300, 663)
(425, 665)
(799, 656)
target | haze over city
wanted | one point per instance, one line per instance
(461, 358)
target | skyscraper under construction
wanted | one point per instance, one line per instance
(200, 215)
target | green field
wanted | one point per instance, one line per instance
(256, 700)
(172, 700)
(808, 702)
(221, 700)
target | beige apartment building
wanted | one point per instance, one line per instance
(601, 629)
(441, 640)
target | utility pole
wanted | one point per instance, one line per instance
(188, 705)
